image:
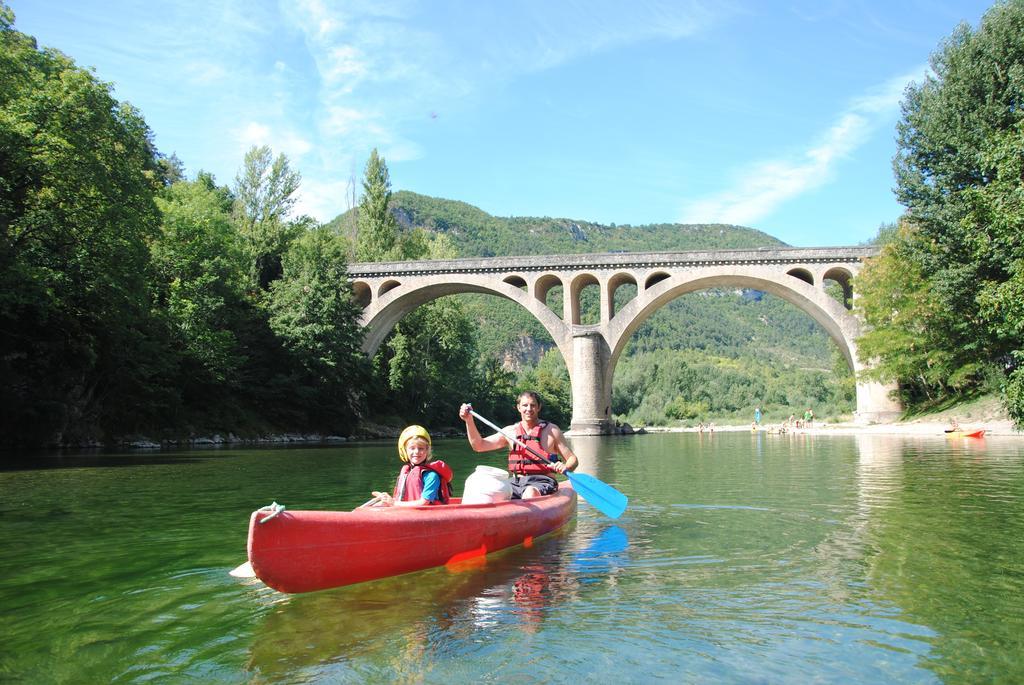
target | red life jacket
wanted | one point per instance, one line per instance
(410, 481)
(523, 462)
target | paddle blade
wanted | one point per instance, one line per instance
(243, 571)
(599, 494)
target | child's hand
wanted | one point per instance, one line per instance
(384, 499)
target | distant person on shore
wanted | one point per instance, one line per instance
(423, 480)
(954, 425)
(530, 472)
(808, 418)
(757, 415)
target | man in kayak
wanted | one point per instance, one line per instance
(423, 479)
(529, 471)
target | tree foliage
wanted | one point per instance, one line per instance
(265, 190)
(377, 238)
(429, 363)
(951, 279)
(198, 285)
(313, 313)
(76, 211)
(479, 234)
(134, 300)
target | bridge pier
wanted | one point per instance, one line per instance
(591, 394)
(875, 403)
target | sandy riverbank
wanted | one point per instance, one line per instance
(986, 412)
(993, 427)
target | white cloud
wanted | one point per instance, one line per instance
(887, 97)
(383, 63)
(293, 145)
(321, 18)
(253, 134)
(204, 73)
(323, 200)
(561, 32)
(343, 65)
(764, 186)
(343, 121)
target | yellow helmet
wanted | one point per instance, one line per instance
(409, 433)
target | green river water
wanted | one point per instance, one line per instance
(742, 558)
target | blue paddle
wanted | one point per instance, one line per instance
(599, 494)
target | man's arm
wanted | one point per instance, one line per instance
(569, 461)
(476, 441)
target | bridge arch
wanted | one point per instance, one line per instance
(399, 300)
(544, 284)
(361, 293)
(578, 283)
(803, 274)
(838, 322)
(617, 281)
(841, 326)
(844, 277)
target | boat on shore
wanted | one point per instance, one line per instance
(966, 434)
(306, 551)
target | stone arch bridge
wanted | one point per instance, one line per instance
(387, 291)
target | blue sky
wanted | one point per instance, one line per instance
(775, 115)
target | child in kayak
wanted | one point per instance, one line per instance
(423, 480)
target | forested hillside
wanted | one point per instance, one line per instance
(712, 355)
(476, 233)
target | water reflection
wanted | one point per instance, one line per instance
(937, 522)
(587, 449)
(417, 615)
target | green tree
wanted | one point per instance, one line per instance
(496, 392)
(199, 283)
(377, 238)
(265, 189)
(77, 181)
(550, 379)
(958, 172)
(314, 314)
(429, 362)
(903, 340)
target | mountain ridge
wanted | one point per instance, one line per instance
(475, 233)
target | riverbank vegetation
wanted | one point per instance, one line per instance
(137, 301)
(945, 300)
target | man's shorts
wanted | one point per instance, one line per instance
(545, 484)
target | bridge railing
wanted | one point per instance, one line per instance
(616, 260)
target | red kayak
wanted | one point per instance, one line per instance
(304, 551)
(966, 434)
